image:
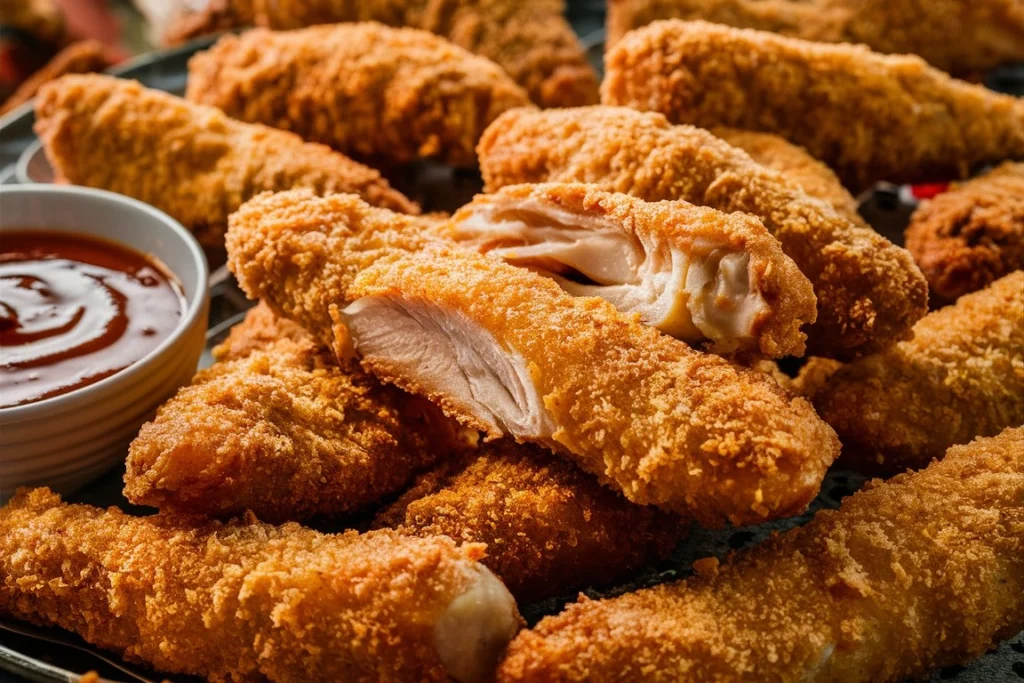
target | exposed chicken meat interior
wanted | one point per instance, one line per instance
(695, 290)
(444, 355)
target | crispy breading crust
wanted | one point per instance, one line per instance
(364, 89)
(909, 575)
(85, 56)
(952, 35)
(232, 601)
(189, 160)
(529, 39)
(662, 423)
(299, 253)
(869, 291)
(788, 294)
(258, 331)
(283, 432)
(796, 165)
(973, 234)
(814, 376)
(961, 376)
(869, 116)
(549, 528)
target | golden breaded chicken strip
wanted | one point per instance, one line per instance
(973, 234)
(796, 165)
(364, 89)
(530, 39)
(505, 351)
(870, 117)
(920, 572)
(953, 35)
(249, 601)
(869, 291)
(258, 331)
(695, 273)
(549, 528)
(189, 160)
(961, 376)
(283, 432)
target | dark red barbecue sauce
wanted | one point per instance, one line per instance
(76, 309)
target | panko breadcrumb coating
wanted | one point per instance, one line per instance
(971, 235)
(662, 423)
(869, 116)
(530, 39)
(923, 571)
(258, 331)
(953, 35)
(83, 57)
(796, 165)
(189, 160)
(961, 376)
(869, 291)
(703, 276)
(549, 528)
(364, 89)
(245, 601)
(283, 432)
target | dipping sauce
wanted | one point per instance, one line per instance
(76, 309)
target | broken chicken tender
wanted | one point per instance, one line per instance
(910, 575)
(694, 273)
(870, 117)
(188, 160)
(507, 352)
(363, 88)
(249, 601)
(869, 292)
(961, 376)
(549, 527)
(283, 432)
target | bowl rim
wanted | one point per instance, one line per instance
(195, 308)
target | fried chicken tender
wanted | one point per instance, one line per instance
(923, 571)
(549, 528)
(505, 351)
(189, 160)
(244, 601)
(258, 331)
(870, 117)
(530, 39)
(869, 292)
(952, 35)
(797, 166)
(85, 56)
(973, 234)
(695, 273)
(364, 89)
(283, 432)
(961, 376)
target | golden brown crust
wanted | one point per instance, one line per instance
(662, 423)
(189, 160)
(788, 295)
(972, 235)
(952, 35)
(362, 88)
(796, 165)
(869, 116)
(85, 56)
(814, 376)
(232, 601)
(869, 291)
(258, 331)
(910, 575)
(961, 376)
(283, 432)
(549, 528)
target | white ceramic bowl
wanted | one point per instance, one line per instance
(68, 440)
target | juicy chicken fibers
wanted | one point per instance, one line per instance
(506, 351)
(697, 274)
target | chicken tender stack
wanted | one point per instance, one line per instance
(868, 116)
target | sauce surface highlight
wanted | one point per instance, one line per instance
(76, 309)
